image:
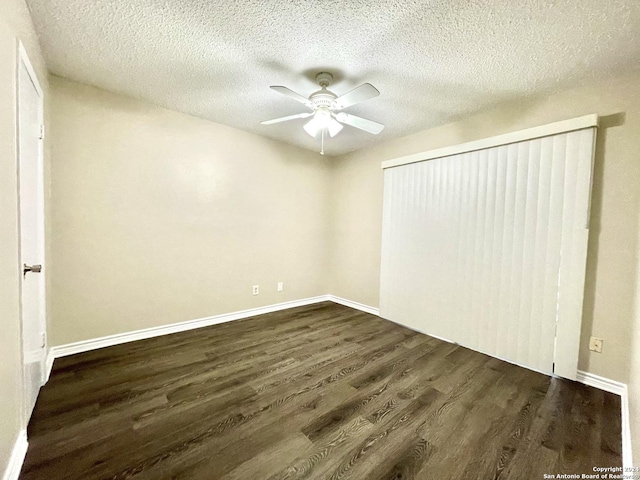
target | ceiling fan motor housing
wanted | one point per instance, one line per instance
(323, 97)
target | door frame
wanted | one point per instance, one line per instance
(23, 58)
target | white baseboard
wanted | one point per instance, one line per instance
(108, 341)
(48, 365)
(618, 388)
(627, 451)
(600, 382)
(12, 472)
(356, 305)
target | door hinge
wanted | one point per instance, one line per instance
(41, 137)
(44, 339)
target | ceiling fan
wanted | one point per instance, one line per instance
(325, 109)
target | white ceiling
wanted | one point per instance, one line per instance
(432, 61)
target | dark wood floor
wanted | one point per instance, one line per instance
(323, 392)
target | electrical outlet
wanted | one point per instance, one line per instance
(280, 286)
(595, 344)
(256, 289)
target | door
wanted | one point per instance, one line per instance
(31, 201)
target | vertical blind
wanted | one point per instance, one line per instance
(488, 248)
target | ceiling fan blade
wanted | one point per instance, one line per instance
(357, 95)
(359, 122)
(286, 119)
(291, 94)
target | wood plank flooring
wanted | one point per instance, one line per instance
(317, 392)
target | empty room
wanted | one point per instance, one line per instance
(313, 239)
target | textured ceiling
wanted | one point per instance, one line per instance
(432, 61)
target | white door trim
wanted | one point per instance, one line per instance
(18, 453)
(23, 58)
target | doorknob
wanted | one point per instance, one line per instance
(31, 268)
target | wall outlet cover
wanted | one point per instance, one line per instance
(595, 344)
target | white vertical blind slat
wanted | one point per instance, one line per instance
(529, 248)
(517, 254)
(539, 256)
(505, 271)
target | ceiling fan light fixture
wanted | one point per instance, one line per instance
(334, 127)
(322, 119)
(311, 127)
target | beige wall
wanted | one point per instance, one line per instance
(15, 23)
(160, 217)
(613, 243)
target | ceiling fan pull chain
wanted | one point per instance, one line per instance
(322, 150)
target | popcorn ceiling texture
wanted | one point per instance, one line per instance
(433, 61)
